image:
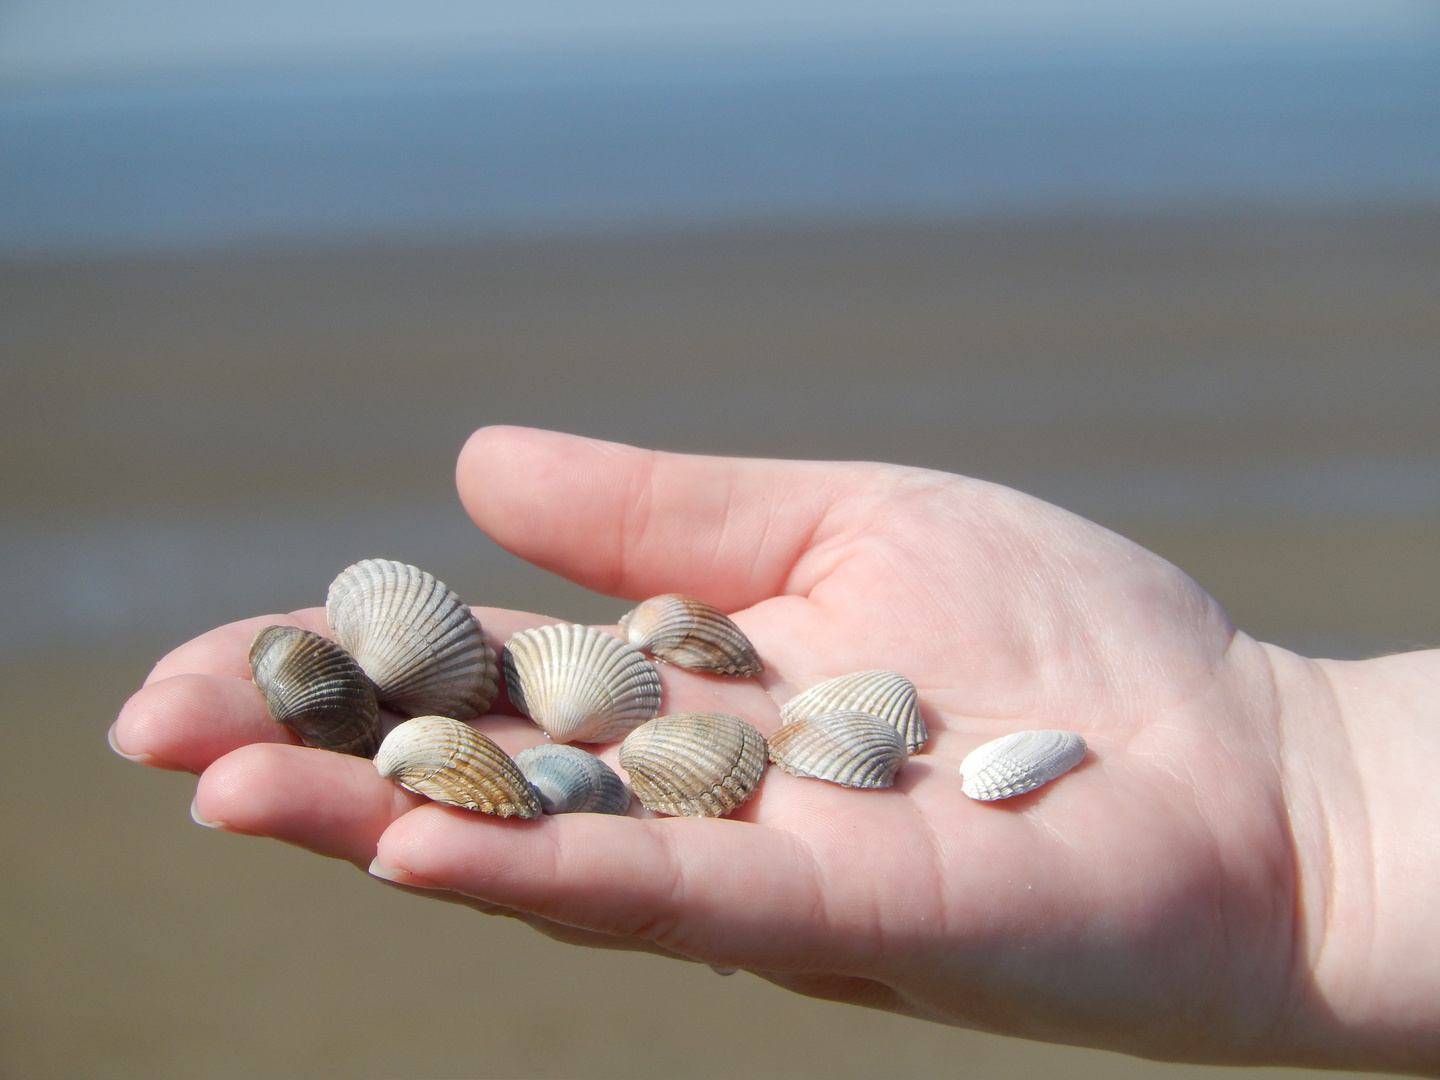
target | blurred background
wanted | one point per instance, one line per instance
(264, 266)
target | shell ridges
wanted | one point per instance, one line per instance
(694, 764)
(415, 637)
(451, 762)
(692, 634)
(569, 780)
(886, 694)
(579, 683)
(1019, 762)
(314, 687)
(852, 749)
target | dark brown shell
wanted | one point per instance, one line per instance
(314, 687)
(692, 634)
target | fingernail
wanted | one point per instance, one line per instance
(723, 969)
(139, 759)
(401, 877)
(195, 817)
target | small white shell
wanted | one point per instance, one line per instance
(578, 683)
(1019, 762)
(886, 694)
(690, 633)
(314, 687)
(694, 764)
(453, 763)
(415, 638)
(570, 781)
(852, 749)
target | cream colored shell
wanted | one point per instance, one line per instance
(1019, 762)
(694, 764)
(578, 683)
(692, 634)
(316, 688)
(453, 763)
(852, 749)
(415, 638)
(886, 694)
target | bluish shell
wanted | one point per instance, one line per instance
(570, 781)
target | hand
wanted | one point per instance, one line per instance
(1186, 893)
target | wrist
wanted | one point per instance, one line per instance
(1360, 742)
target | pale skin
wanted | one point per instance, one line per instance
(1242, 870)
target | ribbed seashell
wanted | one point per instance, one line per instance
(415, 638)
(316, 688)
(1019, 762)
(578, 683)
(453, 763)
(690, 633)
(570, 781)
(694, 764)
(852, 749)
(885, 694)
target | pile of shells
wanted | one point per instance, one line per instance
(403, 641)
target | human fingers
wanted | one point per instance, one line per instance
(632, 522)
(187, 721)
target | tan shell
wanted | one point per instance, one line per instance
(453, 763)
(578, 683)
(852, 749)
(886, 694)
(570, 781)
(692, 634)
(694, 764)
(316, 688)
(415, 638)
(1019, 762)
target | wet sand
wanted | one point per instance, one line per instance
(1253, 397)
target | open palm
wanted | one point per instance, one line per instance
(1150, 901)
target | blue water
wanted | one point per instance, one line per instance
(554, 148)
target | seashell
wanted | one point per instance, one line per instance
(1019, 762)
(852, 749)
(415, 638)
(885, 694)
(453, 763)
(316, 688)
(570, 781)
(578, 683)
(694, 764)
(690, 634)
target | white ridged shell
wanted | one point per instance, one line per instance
(570, 781)
(690, 633)
(415, 638)
(852, 749)
(1020, 762)
(453, 763)
(694, 764)
(580, 684)
(316, 688)
(886, 694)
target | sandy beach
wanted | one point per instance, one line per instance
(186, 440)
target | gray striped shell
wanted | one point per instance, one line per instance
(694, 764)
(570, 781)
(1019, 762)
(885, 694)
(578, 683)
(453, 763)
(690, 633)
(852, 749)
(415, 638)
(316, 688)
